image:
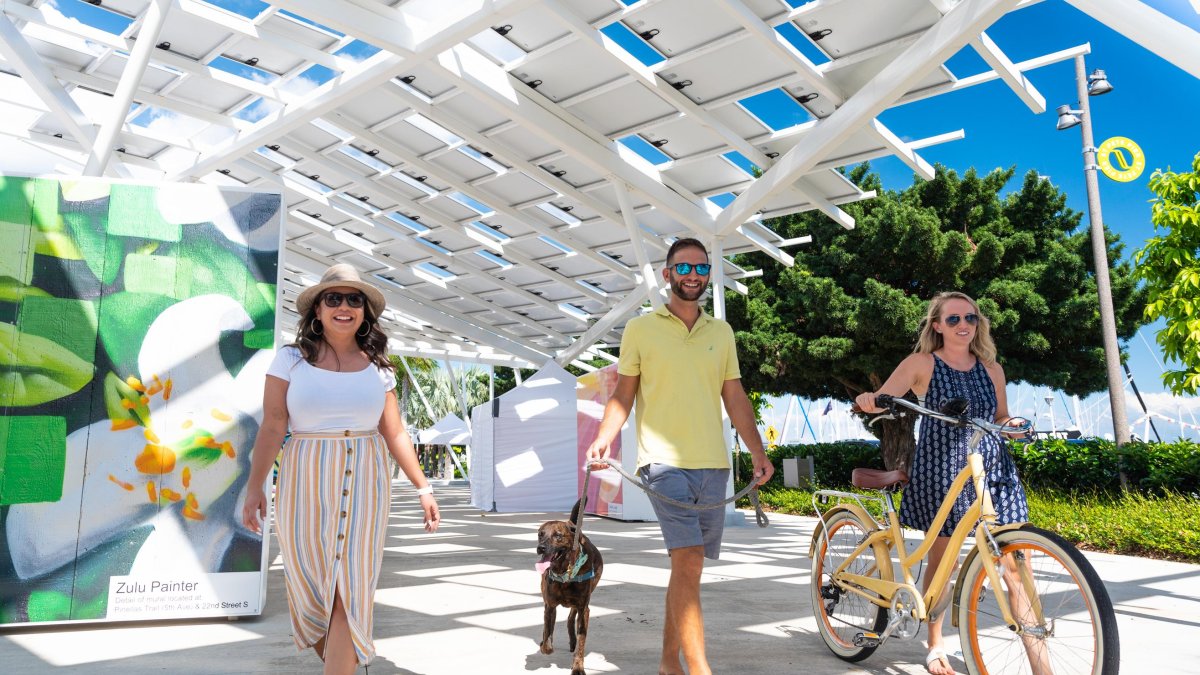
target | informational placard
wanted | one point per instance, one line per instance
(219, 594)
(136, 325)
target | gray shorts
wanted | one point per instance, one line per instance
(686, 527)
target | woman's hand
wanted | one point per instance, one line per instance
(866, 402)
(254, 511)
(432, 516)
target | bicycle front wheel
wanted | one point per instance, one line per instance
(1067, 619)
(844, 617)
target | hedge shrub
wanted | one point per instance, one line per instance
(1088, 466)
(1095, 465)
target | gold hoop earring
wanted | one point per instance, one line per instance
(364, 325)
(312, 326)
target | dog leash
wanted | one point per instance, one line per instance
(752, 490)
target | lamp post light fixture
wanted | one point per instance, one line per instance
(1095, 85)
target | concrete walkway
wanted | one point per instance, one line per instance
(465, 601)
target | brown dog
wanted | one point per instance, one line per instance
(568, 579)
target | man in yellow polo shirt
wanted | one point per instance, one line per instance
(680, 364)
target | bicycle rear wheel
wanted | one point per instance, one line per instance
(1078, 630)
(843, 617)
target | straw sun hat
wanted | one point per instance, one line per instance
(341, 275)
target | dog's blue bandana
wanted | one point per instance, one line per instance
(573, 575)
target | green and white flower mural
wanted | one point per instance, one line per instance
(136, 325)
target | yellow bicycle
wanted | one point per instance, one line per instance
(1025, 600)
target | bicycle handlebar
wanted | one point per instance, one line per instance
(890, 402)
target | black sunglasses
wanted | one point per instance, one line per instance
(686, 268)
(355, 300)
(953, 319)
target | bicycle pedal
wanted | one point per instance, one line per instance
(866, 640)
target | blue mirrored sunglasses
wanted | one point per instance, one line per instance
(686, 268)
(953, 319)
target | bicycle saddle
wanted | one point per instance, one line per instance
(875, 479)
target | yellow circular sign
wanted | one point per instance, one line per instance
(1111, 156)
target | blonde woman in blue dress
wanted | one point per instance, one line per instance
(955, 357)
(334, 390)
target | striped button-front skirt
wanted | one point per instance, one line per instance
(331, 507)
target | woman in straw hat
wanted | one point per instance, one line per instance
(335, 389)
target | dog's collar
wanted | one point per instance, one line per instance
(573, 575)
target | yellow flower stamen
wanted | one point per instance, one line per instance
(151, 436)
(127, 404)
(167, 391)
(155, 460)
(145, 400)
(122, 425)
(170, 494)
(135, 384)
(187, 477)
(191, 508)
(217, 414)
(227, 448)
(128, 486)
(150, 491)
(187, 424)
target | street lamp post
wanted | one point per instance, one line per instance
(1068, 118)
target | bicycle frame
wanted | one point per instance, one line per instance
(980, 516)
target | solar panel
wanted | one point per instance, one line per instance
(487, 164)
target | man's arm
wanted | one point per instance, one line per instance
(737, 404)
(616, 411)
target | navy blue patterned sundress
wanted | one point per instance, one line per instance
(942, 453)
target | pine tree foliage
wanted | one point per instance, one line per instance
(837, 322)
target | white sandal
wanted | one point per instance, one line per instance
(936, 654)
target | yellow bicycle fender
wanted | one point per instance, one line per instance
(857, 510)
(962, 570)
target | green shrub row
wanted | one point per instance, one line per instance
(1093, 465)
(1159, 526)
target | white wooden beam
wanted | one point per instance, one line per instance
(902, 150)
(1008, 72)
(139, 58)
(1149, 28)
(18, 52)
(648, 278)
(939, 43)
(616, 315)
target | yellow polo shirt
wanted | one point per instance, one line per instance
(679, 393)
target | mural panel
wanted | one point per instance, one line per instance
(136, 326)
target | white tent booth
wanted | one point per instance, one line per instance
(527, 452)
(523, 446)
(448, 431)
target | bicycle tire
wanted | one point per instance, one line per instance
(842, 616)
(1082, 628)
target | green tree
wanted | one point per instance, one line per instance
(439, 390)
(1170, 265)
(844, 316)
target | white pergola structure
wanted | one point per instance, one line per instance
(510, 172)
